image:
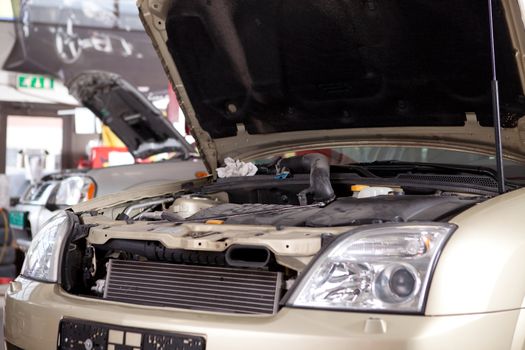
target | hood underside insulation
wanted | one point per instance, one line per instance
(292, 65)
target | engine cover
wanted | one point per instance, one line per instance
(343, 212)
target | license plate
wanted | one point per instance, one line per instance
(18, 219)
(84, 335)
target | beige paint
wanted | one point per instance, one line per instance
(154, 20)
(245, 146)
(482, 268)
(291, 241)
(34, 310)
(469, 138)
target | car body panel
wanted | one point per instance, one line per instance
(482, 259)
(245, 144)
(121, 178)
(35, 310)
(469, 138)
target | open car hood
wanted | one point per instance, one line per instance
(256, 77)
(139, 124)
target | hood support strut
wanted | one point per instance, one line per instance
(496, 104)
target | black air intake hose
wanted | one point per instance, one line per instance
(319, 168)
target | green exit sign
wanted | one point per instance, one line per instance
(37, 82)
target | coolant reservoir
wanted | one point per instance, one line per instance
(361, 191)
(186, 206)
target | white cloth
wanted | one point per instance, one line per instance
(236, 168)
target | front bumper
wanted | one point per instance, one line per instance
(33, 312)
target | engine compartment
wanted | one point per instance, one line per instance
(347, 211)
(168, 259)
(208, 246)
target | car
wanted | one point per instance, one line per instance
(56, 191)
(366, 189)
(121, 106)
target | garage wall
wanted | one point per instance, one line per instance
(70, 149)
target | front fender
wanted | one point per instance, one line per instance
(482, 267)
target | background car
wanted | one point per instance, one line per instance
(142, 128)
(62, 190)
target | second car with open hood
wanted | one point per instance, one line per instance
(377, 217)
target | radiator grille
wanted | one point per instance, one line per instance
(193, 287)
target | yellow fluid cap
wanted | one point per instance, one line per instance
(215, 222)
(358, 188)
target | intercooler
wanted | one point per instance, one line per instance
(218, 289)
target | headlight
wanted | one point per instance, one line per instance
(384, 268)
(74, 190)
(42, 260)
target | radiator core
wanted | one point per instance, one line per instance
(218, 289)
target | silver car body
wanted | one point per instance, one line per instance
(107, 181)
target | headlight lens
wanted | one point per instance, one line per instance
(384, 268)
(42, 260)
(74, 190)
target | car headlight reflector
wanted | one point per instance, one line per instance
(380, 268)
(43, 257)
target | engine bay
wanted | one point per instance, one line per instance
(207, 247)
(347, 211)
